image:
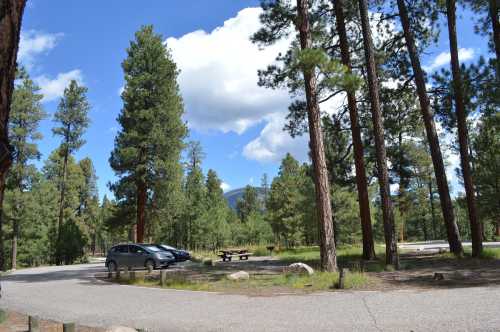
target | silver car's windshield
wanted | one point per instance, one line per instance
(168, 247)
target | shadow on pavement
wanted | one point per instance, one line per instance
(82, 273)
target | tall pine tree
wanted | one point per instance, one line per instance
(72, 117)
(147, 148)
(25, 115)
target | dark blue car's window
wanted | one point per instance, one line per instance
(122, 249)
(136, 250)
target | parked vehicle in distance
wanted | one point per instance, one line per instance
(179, 254)
(138, 255)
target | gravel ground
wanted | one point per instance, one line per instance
(71, 293)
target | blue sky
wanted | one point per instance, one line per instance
(238, 124)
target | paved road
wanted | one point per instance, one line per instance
(435, 246)
(71, 294)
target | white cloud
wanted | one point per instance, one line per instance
(225, 187)
(34, 43)
(273, 143)
(120, 90)
(443, 58)
(54, 88)
(218, 78)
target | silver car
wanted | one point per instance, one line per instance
(138, 256)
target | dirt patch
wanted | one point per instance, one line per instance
(17, 322)
(418, 272)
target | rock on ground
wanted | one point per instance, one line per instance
(121, 329)
(241, 275)
(300, 268)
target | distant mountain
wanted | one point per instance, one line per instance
(234, 195)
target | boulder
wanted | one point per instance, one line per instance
(300, 268)
(120, 329)
(241, 275)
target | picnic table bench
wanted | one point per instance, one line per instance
(227, 255)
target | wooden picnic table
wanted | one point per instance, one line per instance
(228, 254)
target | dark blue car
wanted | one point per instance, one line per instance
(179, 254)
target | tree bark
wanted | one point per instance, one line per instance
(11, 13)
(141, 211)
(477, 242)
(378, 128)
(433, 214)
(452, 231)
(495, 24)
(327, 243)
(15, 233)
(61, 208)
(401, 194)
(359, 163)
(2, 249)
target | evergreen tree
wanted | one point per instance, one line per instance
(147, 148)
(11, 14)
(361, 181)
(463, 141)
(196, 196)
(248, 204)
(286, 203)
(488, 10)
(323, 203)
(487, 175)
(88, 209)
(373, 87)
(74, 180)
(428, 118)
(72, 117)
(215, 195)
(26, 114)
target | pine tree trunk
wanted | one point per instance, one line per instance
(359, 163)
(2, 249)
(327, 243)
(15, 232)
(452, 232)
(141, 211)
(61, 208)
(402, 189)
(433, 214)
(477, 243)
(494, 13)
(11, 13)
(378, 128)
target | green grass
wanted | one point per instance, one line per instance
(319, 281)
(347, 256)
(488, 253)
(491, 253)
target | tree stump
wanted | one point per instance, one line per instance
(341, 283)
(163, 278)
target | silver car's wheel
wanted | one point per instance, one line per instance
(111, 266)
